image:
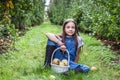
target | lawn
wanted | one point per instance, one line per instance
(26, 62)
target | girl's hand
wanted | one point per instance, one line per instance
(60, 43)
(63, 48)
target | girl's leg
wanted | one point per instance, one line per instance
(82, 68)
(50, 47)
(78, 67)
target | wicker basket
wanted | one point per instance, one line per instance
(58, 68)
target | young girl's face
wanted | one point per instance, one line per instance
(70, 28)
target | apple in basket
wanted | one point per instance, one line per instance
(61, 64)
(56, 61)
(65, 62)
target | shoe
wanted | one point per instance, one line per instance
(46, 65)
(78, 70)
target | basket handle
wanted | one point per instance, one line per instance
(58, 49)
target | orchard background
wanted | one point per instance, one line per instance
(17, 16)
(21, 20)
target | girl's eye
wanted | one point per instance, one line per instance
(73, 27)
(70, 26)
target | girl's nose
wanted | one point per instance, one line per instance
(70, 28)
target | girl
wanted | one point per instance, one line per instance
(70, 40)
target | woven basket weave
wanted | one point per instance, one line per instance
(58, 68)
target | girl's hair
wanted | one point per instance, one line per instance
(74, 35)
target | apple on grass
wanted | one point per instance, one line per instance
(93, 68)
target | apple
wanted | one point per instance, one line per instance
(9, 41)
(8, 37)
(61, 64)
(1, 40)
(93, 68)
(52, 77)
(56, 61)
(65, 62)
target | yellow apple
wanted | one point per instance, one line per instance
(56, 61)
(93, 68)
(52, 77)
(61, 64)
(65, 62)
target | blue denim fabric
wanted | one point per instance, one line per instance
(81, 67)
(49, 42)
(70, 45)
(58, 54)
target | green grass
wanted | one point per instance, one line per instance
(27, 62)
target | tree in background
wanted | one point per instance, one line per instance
(16, 16)
(97, 17)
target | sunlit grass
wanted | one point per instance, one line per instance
(27, 62)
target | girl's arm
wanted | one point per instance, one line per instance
(55, 39)
(78, 55)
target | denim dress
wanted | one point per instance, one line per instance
(70, 46)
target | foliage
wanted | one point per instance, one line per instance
(58, 11)
(22, 14)
(17, 16)
(8, 33)
(97, 17)
(27, 13)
